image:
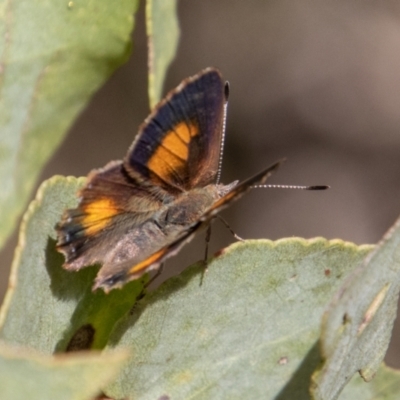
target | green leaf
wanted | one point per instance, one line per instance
(163, 35)
(384, 386)
(54, 55)
(358, 325)
(250, 330)
(27, 375)
(46, 307)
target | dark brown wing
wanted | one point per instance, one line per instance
(111, 203)
(129, 270)
(178, 146)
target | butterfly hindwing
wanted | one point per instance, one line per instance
(111, 203)
(113, 275)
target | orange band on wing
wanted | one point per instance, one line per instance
(97, 215)
(142, 266)
(173, 152)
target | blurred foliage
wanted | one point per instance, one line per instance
(54, 56)
(163, 34)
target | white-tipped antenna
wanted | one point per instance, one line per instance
(221, 150)
(314, 187)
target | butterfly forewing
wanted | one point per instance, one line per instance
(178, 146)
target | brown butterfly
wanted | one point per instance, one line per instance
(136, 213)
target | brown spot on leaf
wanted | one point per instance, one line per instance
(82, 339)
(283, 360)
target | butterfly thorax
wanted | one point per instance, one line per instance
(188, 208)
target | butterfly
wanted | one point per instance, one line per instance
(135, 213)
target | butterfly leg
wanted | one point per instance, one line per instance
(146, 285)
(155, 276)
(208, 237)
(237, 237)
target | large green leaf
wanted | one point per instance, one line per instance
(24, 374)
(54, 55)
(358, 324)
(250, 330)
(46, 307)
(163, 35)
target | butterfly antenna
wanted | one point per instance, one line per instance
(221, 150)
(314, 187)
